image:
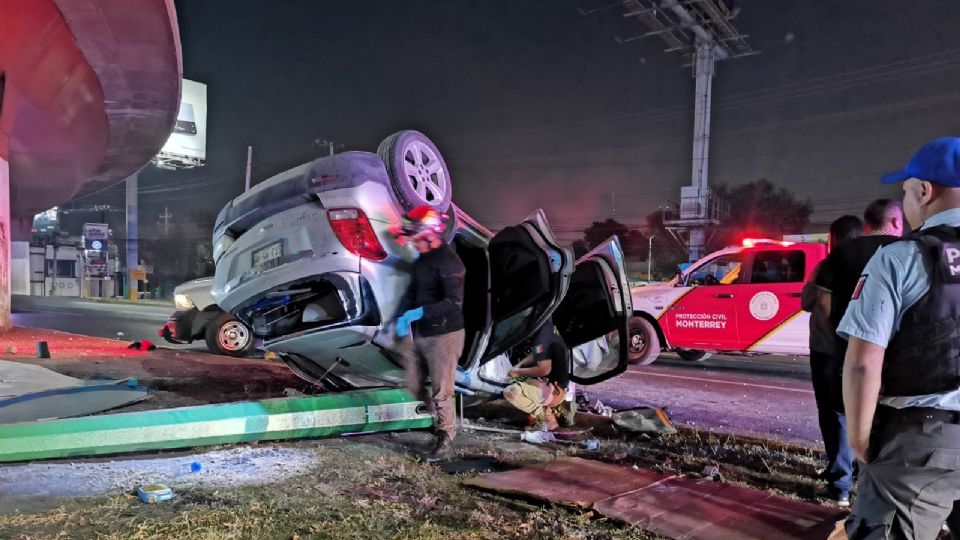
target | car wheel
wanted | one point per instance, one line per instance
(226, 335)
(644, 341)
(693, 355)
(417, 171)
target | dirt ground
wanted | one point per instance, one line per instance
(363, 487)
(372, 486)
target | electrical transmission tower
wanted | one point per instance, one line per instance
(702, 33)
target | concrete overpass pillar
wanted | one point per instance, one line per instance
(19, 266)
(6, 238)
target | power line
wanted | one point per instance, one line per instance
(803, 88)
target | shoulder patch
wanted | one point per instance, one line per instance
(950, 259)
(859, 288)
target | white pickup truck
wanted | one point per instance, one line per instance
(197, 316)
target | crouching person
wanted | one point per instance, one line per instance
(540, 378)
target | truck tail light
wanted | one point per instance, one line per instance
(354, 231)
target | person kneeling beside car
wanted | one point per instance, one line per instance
(541, 377)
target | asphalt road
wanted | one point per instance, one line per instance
(123, 320)
(761, 396)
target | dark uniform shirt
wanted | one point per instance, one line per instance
(841, 270)
(436, 285)
(546, 344)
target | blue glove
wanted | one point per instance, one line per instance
(404, 321)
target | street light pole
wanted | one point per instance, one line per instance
(650, 257)
(246, 184)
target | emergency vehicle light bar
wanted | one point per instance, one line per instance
(753, 242)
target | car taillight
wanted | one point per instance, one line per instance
(354, 231)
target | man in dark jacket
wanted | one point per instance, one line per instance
(431, 328)
(826, 368)
(838, 275)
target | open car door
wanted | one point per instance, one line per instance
(529, 275)
(592, 318)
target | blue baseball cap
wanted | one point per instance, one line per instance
(938, 161)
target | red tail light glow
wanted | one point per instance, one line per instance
(354, 231)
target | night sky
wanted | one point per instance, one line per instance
(535, 105)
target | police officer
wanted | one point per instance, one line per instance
(901, 378)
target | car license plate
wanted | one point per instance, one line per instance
(268, 256)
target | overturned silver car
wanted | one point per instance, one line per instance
(306, 260)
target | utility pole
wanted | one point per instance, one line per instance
(5, 240)
(650, 257)
(165, 216)
(331, 145)
(246, 186)
(133, 255)
(56, 242)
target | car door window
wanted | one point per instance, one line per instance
(528, 276)
(592, 319)
(780, 266)
(721, 270)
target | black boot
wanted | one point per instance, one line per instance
(443, 449)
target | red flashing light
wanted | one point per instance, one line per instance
(354, 231)
(754, 242)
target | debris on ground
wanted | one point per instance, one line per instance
(145, 345)
(154, 493)
(30, 392)
(597, 407)
(712, 472)
(537, 437)
(644, 420)
(674, 506)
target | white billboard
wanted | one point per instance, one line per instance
(187, 146)
(96, 239)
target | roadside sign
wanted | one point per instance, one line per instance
(138, 274)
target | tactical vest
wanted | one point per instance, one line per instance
(924, 355)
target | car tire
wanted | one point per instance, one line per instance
(418, 173)
(644, 341)
(227, 336)
(693, 355)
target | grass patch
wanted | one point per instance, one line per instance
(362, 491)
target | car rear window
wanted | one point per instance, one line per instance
(780, 266)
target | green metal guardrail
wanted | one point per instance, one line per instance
(274, 419)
